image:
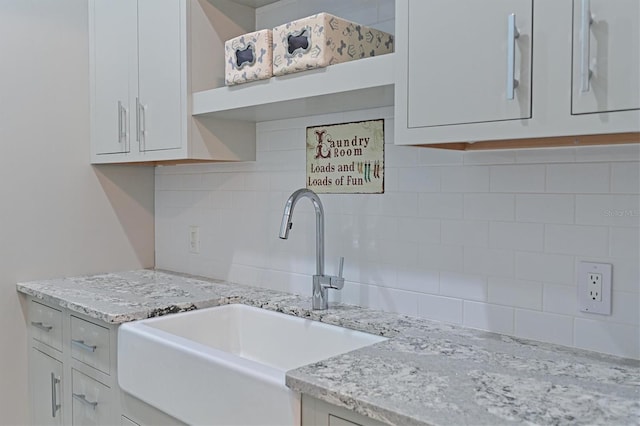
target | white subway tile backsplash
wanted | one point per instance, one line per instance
(465, 179)
(281, 140)
(560, 299)
(490, 157)
(517, 293)
(399, 301)
(545, 267)
(544, 326)
(401, 254)
(519, 178)
(465, 232)
(563, 300)
(248, 200)
(438, 157)
(354, 293)
(257, 182)
(418, 279)
(399, 204)
(220, 199)
(480, 260)
(419, 179)
(610, 210)
(488, 239)
(547, 155)
(624, 243)
(577, 240)
(484, 316)
(440, 256)
(517, 236)
(489, 207)
(463, 286)
(608, 153)
(617, 339)
(441, 206)
(418, 230)
(400, 156)
(625, 178)
(287, 181)
(438, 308)
(545, 208)
(578, 178)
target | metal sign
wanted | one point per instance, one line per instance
(346, 158)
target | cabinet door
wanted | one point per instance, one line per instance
(160, 73)
(92, 401)
(463, 59)
(114, 73)
(46, 389)
(606, 56)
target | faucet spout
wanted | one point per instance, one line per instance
(321, 282)
(286, 224)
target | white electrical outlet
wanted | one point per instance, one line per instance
(594, 287)
(194, 239)
(594, 284)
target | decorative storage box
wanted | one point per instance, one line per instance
(323, 39)
(248, 58)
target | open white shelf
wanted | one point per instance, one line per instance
(361, 84)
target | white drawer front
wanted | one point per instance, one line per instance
(46, 324)
(92, 401)
(90, 344)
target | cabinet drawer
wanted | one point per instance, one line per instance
(92, 401)
(90, 344)
(337, 421)
(46, 324)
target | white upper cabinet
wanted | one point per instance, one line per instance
(160, 103)
(468, 64)
(115, 76)
(471, 71)
(606, 55)
(146, 57)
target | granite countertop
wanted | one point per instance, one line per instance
(427, 373)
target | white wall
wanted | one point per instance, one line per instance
(489, 240)
(58, 215)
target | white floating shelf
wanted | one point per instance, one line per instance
(361, 84)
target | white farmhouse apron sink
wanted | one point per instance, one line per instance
(226, 365)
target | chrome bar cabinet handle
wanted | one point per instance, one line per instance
(54, 395)
(80, 344)
(42, 326)
(512, 36)
(83, 398)
(585, 46)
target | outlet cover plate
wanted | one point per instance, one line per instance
(585, 303)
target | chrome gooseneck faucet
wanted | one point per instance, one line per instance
(321, 282)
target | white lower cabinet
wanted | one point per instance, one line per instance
(320, 413)
(77, 383)
(45, 385)
(73, 373)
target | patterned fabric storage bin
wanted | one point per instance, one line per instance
(323, 39)
(248, 58)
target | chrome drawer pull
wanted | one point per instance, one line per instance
(42, 326)
(82, 398)
(80, 344)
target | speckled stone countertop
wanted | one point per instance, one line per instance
(427, 373)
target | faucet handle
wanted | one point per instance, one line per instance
(337, 283)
